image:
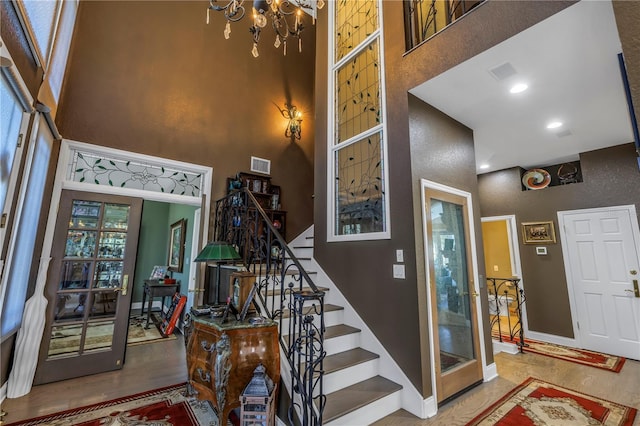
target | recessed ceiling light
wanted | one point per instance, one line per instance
(518, 88)
(484, 166)
(554, 125)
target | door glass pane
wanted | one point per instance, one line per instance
(74, 275)
(65, 339)
(116, 216)
(80, 243)
(455, 330)
(70, 306)
(108, 274)
(104, 304)
(112, 244)
(99, 335)
(84, 214)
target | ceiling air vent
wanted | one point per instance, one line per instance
(502, 72)
(260, 165)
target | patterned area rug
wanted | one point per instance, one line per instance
(538, 403)
(161, 407)
(139, 335)
(580, 356)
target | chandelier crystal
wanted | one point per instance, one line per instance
(285, 15)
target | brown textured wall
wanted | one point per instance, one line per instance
(13, 36)
(362, 270)
(611, 178)
(152, 77)
(627, 15)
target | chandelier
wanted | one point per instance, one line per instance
(285, 15)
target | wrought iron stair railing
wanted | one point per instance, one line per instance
(286, 293)
(501, 291)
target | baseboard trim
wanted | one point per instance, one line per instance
(490, 372)
(510, 348)
(551, 338)
(429, 407)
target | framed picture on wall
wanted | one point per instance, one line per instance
(538, 232)
(176, 245)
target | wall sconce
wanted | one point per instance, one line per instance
(294, 126)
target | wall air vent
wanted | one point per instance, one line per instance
(502, 72)
(260, 165)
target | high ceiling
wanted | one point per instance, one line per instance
(569, 62)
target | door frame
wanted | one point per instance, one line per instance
(30, 335)
(424, 185)
(514, 252)
(631, 209)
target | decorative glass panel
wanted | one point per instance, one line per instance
(80, 243)
(108, 274)
(99, 335)
(359, 187)
(84, 214)
(112, 245)
(65, 339)
(355, 21)
(70, 306)
(358, 94)
(74, 275)
(104, 304)
(116, 216)
(97, 169)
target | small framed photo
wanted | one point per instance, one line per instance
(538, 232)
(176, 245)
(158, 272)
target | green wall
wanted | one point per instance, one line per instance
(153, 242)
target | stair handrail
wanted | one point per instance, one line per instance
(241, 220)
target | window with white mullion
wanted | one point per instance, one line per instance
(39, 19)
(357, 150)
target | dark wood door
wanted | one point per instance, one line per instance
(89, 285)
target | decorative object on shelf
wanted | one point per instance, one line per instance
(538, 232)
(218, 252)
(257, 401)
(294, 124)
(567, 173)
(536, 179)
(176, 245)
(286, 18)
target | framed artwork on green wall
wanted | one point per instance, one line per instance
(176, 245)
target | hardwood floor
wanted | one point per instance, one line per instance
(147, 367)
(162, 364)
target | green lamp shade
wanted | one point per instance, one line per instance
(217, 251)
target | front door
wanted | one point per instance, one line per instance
(601, 256)
(89, 283)
(453, 300)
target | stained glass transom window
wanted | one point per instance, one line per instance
(100, 170)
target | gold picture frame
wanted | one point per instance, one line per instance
(176, 245)
(538, 232)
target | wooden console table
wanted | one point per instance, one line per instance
(221, 359)
(153, 289)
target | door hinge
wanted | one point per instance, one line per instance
(19, 143)
(3, 220)
(578, 324)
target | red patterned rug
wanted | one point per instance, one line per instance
(166, 407)
(538, 403)
(580, 356)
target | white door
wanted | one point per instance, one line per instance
(601, 255)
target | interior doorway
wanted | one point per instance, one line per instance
(502, 262)
(450, 258)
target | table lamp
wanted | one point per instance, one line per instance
(217, 252)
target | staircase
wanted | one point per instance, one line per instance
(356, 393)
